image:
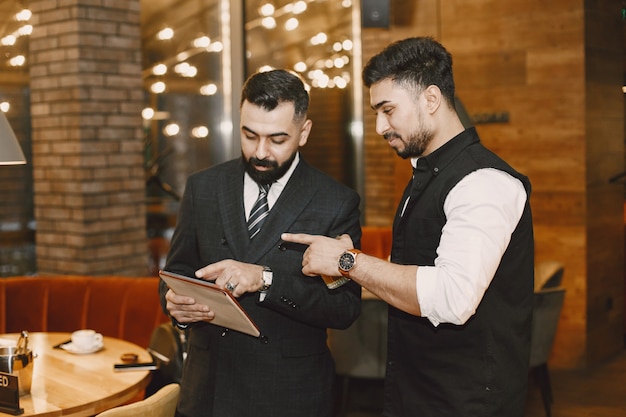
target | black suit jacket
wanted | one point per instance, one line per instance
(289, 370)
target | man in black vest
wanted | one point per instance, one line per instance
(460, 281)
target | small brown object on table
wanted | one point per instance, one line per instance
(69, 384)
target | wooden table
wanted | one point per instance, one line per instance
(67, 384)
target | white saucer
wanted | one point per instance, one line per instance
(70, 347)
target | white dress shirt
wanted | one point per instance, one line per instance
(482, 211)
(251, 188)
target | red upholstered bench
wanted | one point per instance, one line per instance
(124, 307)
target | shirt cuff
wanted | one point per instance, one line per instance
(425, 286)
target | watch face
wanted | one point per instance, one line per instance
(346, 261)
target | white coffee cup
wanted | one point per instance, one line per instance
(86, 339)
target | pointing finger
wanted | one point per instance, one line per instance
(298, 238)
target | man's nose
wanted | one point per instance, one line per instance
(381, 124)
(262, 149)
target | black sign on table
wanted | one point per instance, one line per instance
(10, 395)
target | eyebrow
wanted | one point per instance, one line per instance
(275, 134)
(379, 105)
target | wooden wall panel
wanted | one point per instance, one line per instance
(545, 135)
(604, 151)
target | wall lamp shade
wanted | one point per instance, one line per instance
(10, 150)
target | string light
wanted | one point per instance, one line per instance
(17, 61)
(165, 34)
(171, 129)
(200, 132)
(23, 16)
(202, 42)
(208, 89)
(299, 7)
(267, 9)
(291, 24)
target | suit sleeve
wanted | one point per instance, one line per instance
(307, 299)
(183, 253)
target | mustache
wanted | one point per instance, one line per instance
(390, 135)
(263, 162)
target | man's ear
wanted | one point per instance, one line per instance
(433, 97)
(305, 132)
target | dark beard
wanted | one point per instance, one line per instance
(267, 177)
(415, 145)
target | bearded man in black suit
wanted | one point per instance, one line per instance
(288, 371)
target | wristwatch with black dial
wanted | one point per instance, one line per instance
(347, 261)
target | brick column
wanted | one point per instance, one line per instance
(86, 100)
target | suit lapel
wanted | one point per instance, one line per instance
(294, 198)
(230, 198)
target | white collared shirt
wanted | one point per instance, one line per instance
(482, 211)
(251, 188)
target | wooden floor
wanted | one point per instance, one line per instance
(597, 392)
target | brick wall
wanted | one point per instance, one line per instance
(86, 99)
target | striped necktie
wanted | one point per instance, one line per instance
(259, 211)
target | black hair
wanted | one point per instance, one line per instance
(269, 89)
(414, 63)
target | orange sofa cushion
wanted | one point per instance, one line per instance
(376, 241)
(124, 307)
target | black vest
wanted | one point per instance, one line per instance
(479, 369)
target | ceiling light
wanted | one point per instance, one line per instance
(300, 66)
(25, 30)
(165, 34)
(291, 23)
(23, 16)
(208, 89)
(5, 106)
(190, 72)
(8, 40)
(159, 69)
(267, 9)
(200, 132)
(17, 61)
(147, 113)
(202, 42)
(182, 67)
(347, 45)
(171, 129)
(340, 82)
(319, 39)
(299, 7)
(268, 22)
(158, 87)
(216, 47)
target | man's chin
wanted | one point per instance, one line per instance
(265, 175)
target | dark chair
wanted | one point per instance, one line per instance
(360, 351)
(546, 312)
(548, 274)
(168, 347)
